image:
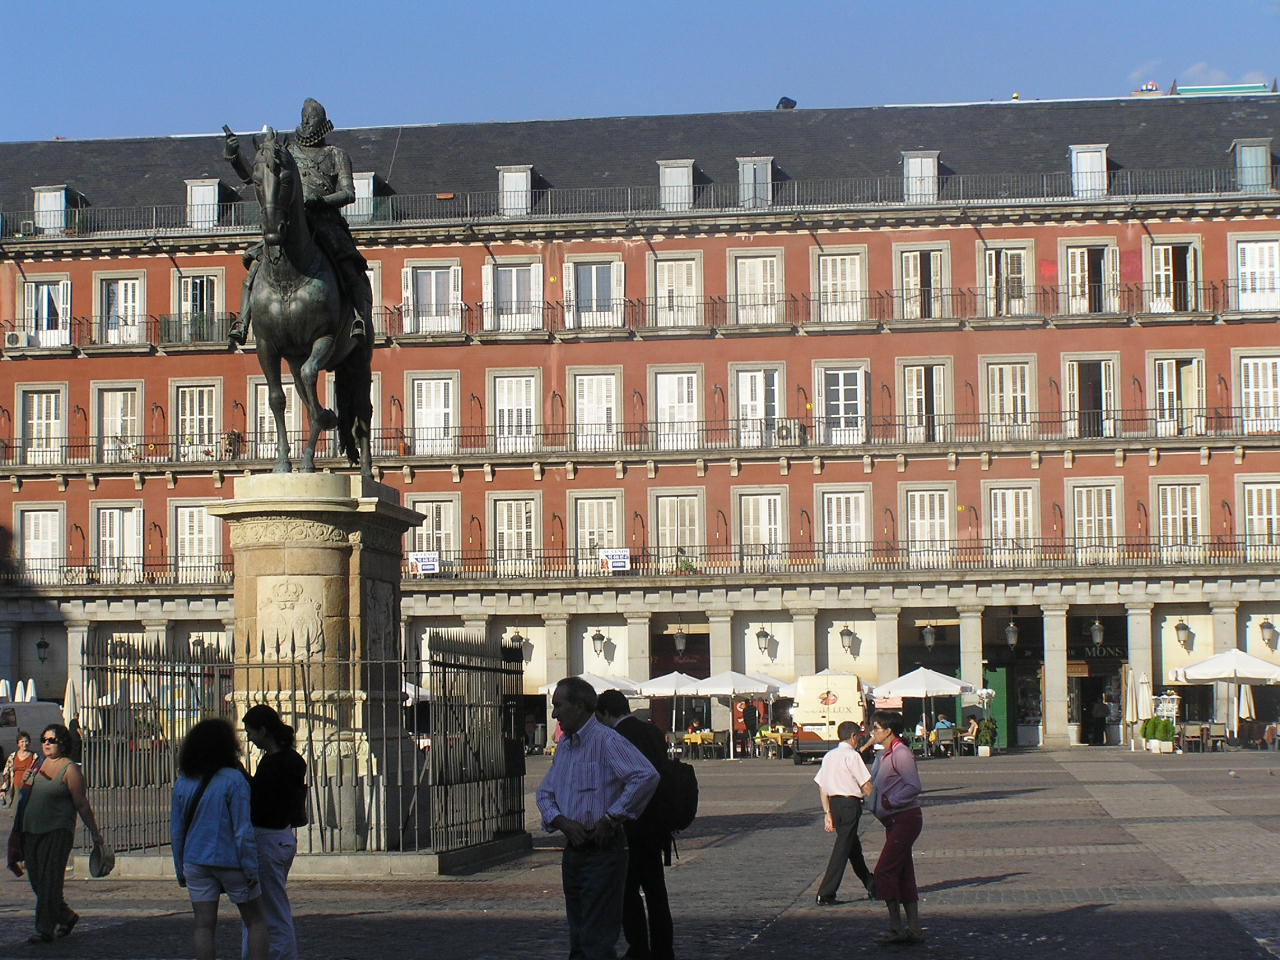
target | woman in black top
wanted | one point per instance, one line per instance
(278, 803)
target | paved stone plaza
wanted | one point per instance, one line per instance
(1094, 853)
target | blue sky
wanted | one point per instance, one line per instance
(87, 68)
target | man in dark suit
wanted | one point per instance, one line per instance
(651, 937)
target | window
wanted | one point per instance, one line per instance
(50, 209)
(1262, 521)
(1178, 506)
(1009, 401)
(678, 540)
(434, 416)
(760, 531)
(1175, 278)
(1012, 526)
(920, 176)
(1253, 165)
(594, 294)
(840, 291)
(923, 402)
(198, 554)
(360, 210)
(264, 423)
(43, 433)
(757, 286)
(675, 184)
(675, 293)
(595, 411)
(118, 437)
(514, 536)
(46, 311)
(42, 544)
(196, 425)
(595, 522)
(432, 299)
(1260, 394)
(515, 414)
(923, 287)
(118, 535)
(1258, 275)
(438, 533)
(755, 181)
(515, 189)
(197, 311)
(928, 528)
(1006, 289)
(845, 540)
(513, 296)
(202, 203)
(1090, 398)
(1179, 396)
(842, 393)
(676, 413)
(1095, 526)
(1089, 171)
(1093, 279)
(758, 407)
(120, 311)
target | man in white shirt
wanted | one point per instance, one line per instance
(843, 780)
(597, 782)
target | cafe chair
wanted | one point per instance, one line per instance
(1217, 736)
(719, 745)
(675, 743)
(945, 744)
(966, 745)
(1192, 738)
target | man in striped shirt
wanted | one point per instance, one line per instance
(597, 782)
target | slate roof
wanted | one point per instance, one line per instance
(985, 138)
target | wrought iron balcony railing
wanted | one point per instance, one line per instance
(118, 570)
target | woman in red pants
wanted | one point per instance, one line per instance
(896, 804)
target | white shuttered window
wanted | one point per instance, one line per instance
(1260, 394)
(433, 416)
(514, 414)
(595, 404)
(840, 294)
(675, 293)
(844, 529)
(760, 534)
(118, 425)
(1262, 521)
(677, 410)
(757, 290)
(678, 540)
(42, 429)
(1258, 275)
(42, 545)
(928, 527)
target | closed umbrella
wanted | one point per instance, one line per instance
(1245, 709)
(20, 693)
(70, 704)
(31, 690)
(6, 692)
(1146, 700)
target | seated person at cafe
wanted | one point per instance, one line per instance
(942, 723)
(694, 725)
(970, 734)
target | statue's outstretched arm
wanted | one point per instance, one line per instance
(231, 152)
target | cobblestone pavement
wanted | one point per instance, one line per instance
(1096, 852)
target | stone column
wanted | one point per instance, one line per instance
(886, 643)
(721, 630)
(78, 633)
(317, 608)
(1055, 676)
(638, 646)
(557, 657)
(1225, 637)
(805, 642)
(1141, 662)
(157, 637)
(971, 651)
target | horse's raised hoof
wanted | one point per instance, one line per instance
(328, 420)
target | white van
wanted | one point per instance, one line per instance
(31, 717)
(823, 702)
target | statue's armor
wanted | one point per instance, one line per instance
(322, 171)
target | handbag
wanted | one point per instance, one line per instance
(14, 853)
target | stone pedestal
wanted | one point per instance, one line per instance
(317, 605)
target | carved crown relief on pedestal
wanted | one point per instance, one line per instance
(290, 617)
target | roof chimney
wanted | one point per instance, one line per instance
(786, 103)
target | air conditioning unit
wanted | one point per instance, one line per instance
(27, 227)
(18, 338)
(789, 433)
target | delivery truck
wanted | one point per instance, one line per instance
(823, 702)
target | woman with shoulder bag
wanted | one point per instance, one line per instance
(896, 804)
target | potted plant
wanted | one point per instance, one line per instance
(1159, 732)
(988, 730)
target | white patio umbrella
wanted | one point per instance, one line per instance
(414, 693)
(732, 684)
(1233, 666)
(20, 693)
(923, 682)
(31, 690)
(667, 685)
(600, 684)
(70, 703)
(6, 692)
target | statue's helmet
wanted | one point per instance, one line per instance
(315, 125)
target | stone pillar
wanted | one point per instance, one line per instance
(1225, 637)
(804, 642)
(1141, 662)
(78, 634)
(720, 627)
(638, 646)
(317, 606)
(557, 655)
(157, 637)
(886, 643)
(971, 651)
(1055, 676)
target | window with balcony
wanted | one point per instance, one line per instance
(515, 535)
(842, 402)
(594, 294)
(434, 416)
(845, 532)
(1260, 394)
(676, 413)
(1090, 398)
(841, 295)
(928, 527)
(1094, 522)
(1258, 275)
(1089, 171)
(675, 184)
(1253, 165)
(760, 534)
(264, 422)
(755, 181)
(432, 298)
(202, 203)
(1008, 400)
(50, 204)
(1093, 279)
(924, 402)
(119, 317)
(757, 408)
(119, 440)
(678, 532)
(43, 544)
(513, 296)
(118, 539)
(1262, 521)
(43, 427)
(1179, 509)
(595, 411)
(1179, 396)
(675, 293)
(1175, 278)
(197, 556)
(1011, 522)
(515, 413)
(197, 314)
(360, 210)
(757, 289)
(515, 190)
(196, 423)
(438, 534)
(595, 525)
(1005, 287)
(922, 285)
(46, 312)
(920, 176)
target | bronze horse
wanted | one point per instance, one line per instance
(300, 315)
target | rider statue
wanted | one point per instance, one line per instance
(327, 187)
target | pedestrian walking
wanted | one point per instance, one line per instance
(843, 781)
(214, 850)
(896, 804)
(16, 766)
(646, 910)
(277, 805)
(597, 782)
(52, 793)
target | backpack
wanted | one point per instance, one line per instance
(676, 800)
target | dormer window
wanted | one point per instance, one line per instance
(51, 208)
(920, 176)
(1253, 164)
(515, 190)
(755, 181)
(360, 210)
(675, 180)
(202, 203)
(1089, 170)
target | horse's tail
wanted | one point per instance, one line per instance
(352, 381)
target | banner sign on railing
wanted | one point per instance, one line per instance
(615, 559)
(423, 562)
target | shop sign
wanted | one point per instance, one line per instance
(1098, 652)
(615, 559)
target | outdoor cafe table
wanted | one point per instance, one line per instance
(699, 739)
(775, 740)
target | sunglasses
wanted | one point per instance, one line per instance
(48, 739)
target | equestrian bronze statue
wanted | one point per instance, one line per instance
(307, 292)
